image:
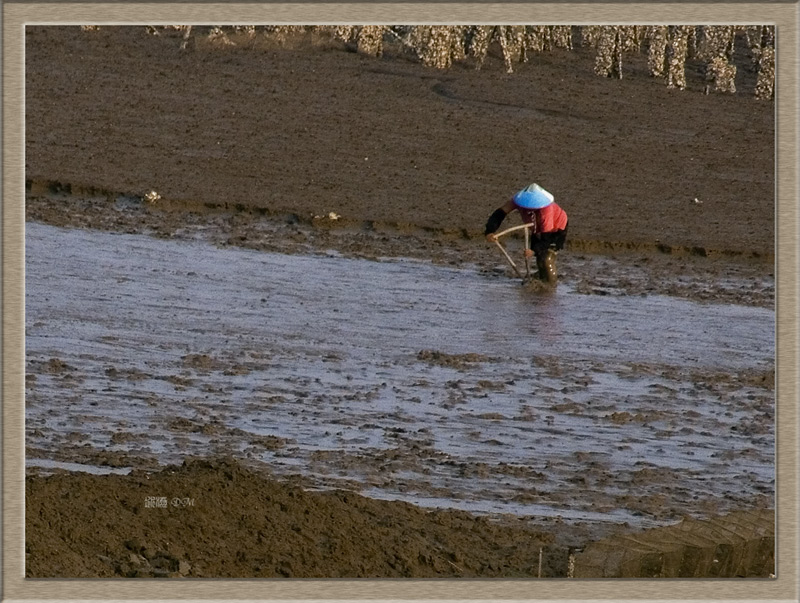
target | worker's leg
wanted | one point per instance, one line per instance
(546, 248)
(546, 263)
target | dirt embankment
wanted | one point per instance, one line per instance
(216, 519)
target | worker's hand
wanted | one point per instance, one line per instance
(491, 237)
(529, 253)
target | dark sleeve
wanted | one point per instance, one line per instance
(495, 220)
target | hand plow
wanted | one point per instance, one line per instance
(526, 228)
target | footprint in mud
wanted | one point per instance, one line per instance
(490, 385)
(201, 362)
(124, 437)
(183, 425)
(456, 361)
(114, 373)
(56, 365)
(492, 416)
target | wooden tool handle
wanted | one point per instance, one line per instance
(512, 229)
(510, 261)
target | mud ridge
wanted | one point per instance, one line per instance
(168, 524)
(174, 205)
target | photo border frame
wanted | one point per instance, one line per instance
(783, 14)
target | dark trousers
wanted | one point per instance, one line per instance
(545, 246)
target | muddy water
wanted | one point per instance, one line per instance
(400, 379)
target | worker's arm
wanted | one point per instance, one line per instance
(496, 219)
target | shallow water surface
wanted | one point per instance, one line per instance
(401, 379)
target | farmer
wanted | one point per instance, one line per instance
(549, 231)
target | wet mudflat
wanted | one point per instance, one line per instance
(397, 379)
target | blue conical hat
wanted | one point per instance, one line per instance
(533, 197)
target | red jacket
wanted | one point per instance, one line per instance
(547, 219)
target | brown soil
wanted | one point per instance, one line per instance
(220, 520)
(239, 141)
(257, 146)
(214, 518)
(739, 545)
(312, 132)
